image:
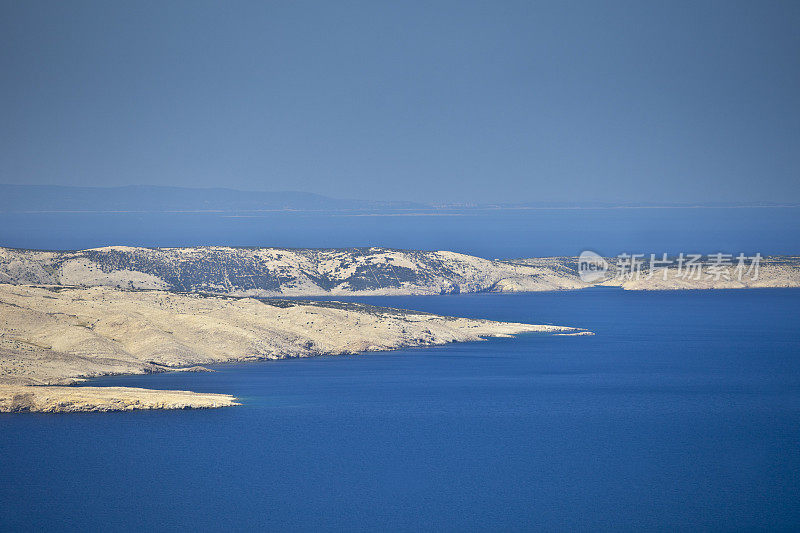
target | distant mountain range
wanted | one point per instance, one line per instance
(148, 198)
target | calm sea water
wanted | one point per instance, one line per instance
(682, 413)
(500, 234)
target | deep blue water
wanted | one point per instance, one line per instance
(492, 234)
(682, 413)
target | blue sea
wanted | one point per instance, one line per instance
(682, 413)
(486, 233)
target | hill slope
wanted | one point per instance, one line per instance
(278, 271)
(265, 272)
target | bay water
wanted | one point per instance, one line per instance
(681, 413)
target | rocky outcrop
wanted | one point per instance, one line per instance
(22, 399)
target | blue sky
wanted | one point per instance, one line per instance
(430, 101)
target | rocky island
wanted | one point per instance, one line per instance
(265, 272)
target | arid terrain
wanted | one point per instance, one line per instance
(67, 316)
(57, 336)
(265, 272)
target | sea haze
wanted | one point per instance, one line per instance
(681, 413)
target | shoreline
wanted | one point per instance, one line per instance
(51, 338)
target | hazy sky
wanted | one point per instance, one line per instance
(453, 101)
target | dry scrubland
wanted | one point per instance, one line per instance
(65, 316)
(57, 336)
(264, 272)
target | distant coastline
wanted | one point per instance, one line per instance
(52, 199)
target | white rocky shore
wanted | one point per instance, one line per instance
(57, 336)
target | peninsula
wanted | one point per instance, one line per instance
(53, 337)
